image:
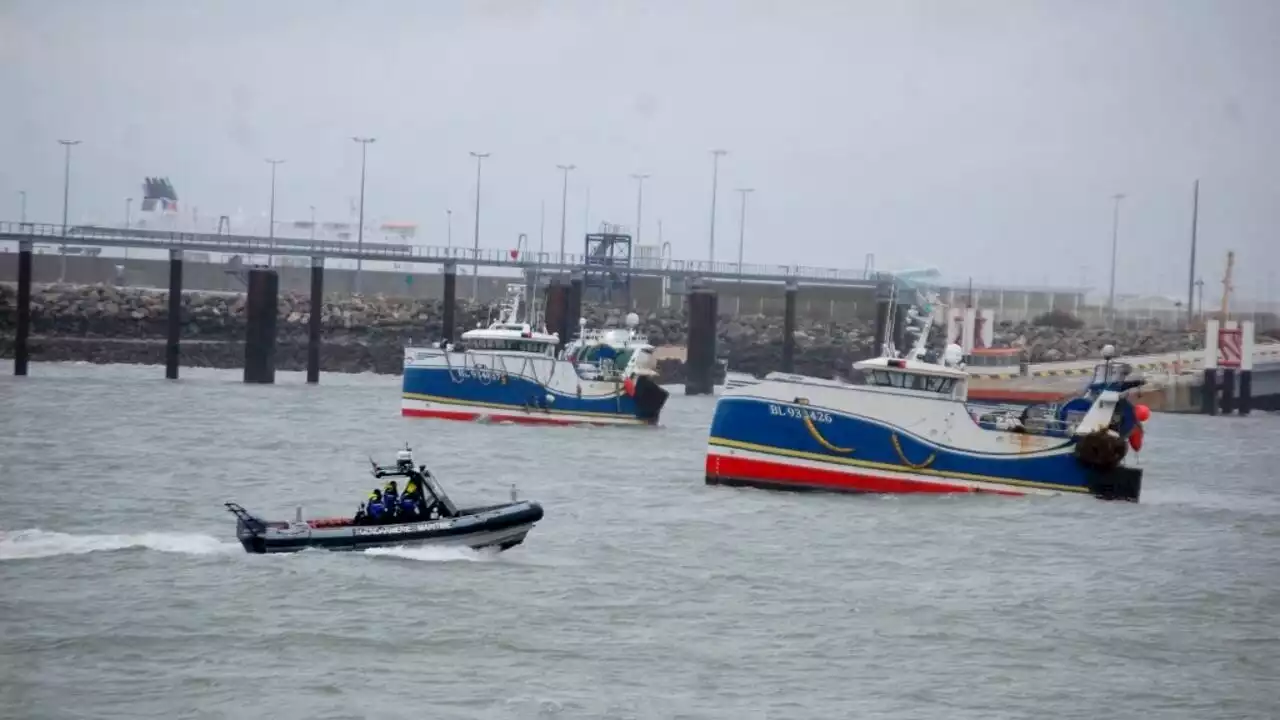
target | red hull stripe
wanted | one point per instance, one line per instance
(463, 415)
(746, 470)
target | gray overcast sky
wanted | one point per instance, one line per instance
(985, 138)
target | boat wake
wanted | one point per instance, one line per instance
(433, 554)
(36, 543)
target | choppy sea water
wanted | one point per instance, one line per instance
(642, 594)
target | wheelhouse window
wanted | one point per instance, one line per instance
(912, 381)
(512, 345)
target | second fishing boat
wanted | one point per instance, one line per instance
(514, 372)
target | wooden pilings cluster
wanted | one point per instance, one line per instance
(260, 332)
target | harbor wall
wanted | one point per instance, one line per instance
(110, 324)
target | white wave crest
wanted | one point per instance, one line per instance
(432, 553)
(36, 543)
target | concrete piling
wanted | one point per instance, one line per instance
(1246, 367)
(575, 301)
(171, 348)
(700, 358)
(1209, 392)
(260, 333)
(1209, 389)
(899, 334)
(450, 300)
(1228, 390)
(555, 311)
(313, 321)
(20, 356)
(789, 327)
(884, 298)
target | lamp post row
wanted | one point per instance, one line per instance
(364, 147)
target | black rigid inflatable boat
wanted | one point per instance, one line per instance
(441, 523)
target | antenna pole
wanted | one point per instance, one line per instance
(1191, 279)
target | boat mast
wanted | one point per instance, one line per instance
(1227, 288)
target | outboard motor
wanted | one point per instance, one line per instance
(404, 460)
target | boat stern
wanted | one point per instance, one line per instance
(250, 530)
(649, 397)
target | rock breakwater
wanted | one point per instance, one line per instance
(109, 324)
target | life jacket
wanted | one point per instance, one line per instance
(408, 505)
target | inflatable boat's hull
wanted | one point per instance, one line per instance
(501, 527)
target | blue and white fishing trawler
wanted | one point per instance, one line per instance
(512, 371)
(909, 429)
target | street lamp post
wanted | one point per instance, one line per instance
(128, 205)
(742, 236)
(449, 229)
(313, 223)
(271, 220)
(364, 147)
(66, 194)
(715, 172)
(22, 211)
(1115, 238)
(742, 227)
(639, 177)
(564, 206)
(475, 266)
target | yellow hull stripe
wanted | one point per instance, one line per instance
(770, 450)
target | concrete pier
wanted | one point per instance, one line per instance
(260, 331)
(313, 320)
(701, 344)
(789, 328)
(20, 352)
(171, 350)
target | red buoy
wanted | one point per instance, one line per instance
(1142, 412)
(1135, 437)
(630, 386)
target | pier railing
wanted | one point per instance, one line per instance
(49, 233)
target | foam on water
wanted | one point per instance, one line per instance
(36, 543)
(430, 553)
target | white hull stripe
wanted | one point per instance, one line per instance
(518, 413)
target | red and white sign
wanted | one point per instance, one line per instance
(1229, 350)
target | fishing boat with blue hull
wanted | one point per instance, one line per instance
(514, 372)
(909, 429)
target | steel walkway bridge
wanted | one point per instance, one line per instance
(544, 263)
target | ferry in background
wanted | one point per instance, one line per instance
(512, 372)
(910, 429)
